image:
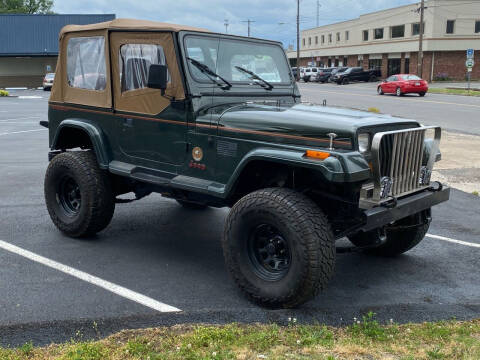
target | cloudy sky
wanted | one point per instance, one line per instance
(274, 19)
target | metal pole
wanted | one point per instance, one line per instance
(298, 40)
(420, 41)
(248, 21)
(318, 13)
(226, 26)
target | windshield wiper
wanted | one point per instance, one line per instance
(211, 75)
(264, 83)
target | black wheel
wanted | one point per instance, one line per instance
(78, 194)
(279, 247)
(345, 81)
(192, 205)
(372, 78)
(401, 236)
(398, 92)
(422, 94)
(380, 90)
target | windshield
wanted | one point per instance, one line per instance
(227, 57)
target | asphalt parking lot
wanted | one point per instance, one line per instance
(158, 250)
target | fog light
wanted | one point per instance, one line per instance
(385, 186)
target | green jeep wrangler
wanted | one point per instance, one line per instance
(216, 120)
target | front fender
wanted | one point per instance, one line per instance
(338, 168)
(94, 133)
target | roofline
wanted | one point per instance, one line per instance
(364, 14)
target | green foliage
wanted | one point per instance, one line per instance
(27, 348)
(3, 92)
(368, 327)
(26, 6)
(86, 351)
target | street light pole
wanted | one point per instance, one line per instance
(298, 40)
(226, 26)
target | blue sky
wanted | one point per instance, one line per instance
(211, 14)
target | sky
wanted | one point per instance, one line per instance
(273, 19)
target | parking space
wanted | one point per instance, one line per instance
(173, 256)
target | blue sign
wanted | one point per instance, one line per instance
(469, 53)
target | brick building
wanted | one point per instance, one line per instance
(388, 40)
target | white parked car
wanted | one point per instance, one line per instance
(309, 74)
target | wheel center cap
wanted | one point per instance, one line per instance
(271, 249)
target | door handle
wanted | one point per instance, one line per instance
(128, 122)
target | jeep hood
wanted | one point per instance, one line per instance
(306, 124)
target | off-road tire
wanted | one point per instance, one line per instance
(399, 240)
(97, 198)
(192, 205)
(306, 231)
(380, 90)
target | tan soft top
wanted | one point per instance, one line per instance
(129, 24)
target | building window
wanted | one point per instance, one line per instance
(397, 31)
(346, 35)
(303, 41)
(407, 66)
(416, 29)
(309, 41)
(378, 33)
(329, 38)
(345, 61)
(338, 36)
(477, 26)
(450, 26)
(365, 35)
(375, 63)
(86, 64)
(316, 40)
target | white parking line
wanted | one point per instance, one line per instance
(19, 132)
(459, 242)
(114, 288)
(22, 118)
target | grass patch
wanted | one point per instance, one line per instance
(364, 339)
(454, 91)
(475, 193)
(3, 93)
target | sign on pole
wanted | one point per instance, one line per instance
(469, 53)
(469, 63)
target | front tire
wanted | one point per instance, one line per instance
(345, 81)
(278, 247)
(78, 194)
(398, 92)
(402, 236)
(380, 90)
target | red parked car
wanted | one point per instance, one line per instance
(403, 84)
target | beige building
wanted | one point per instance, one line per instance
(389, 40)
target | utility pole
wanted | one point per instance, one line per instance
(249, 22)
(420, 41)
(318, 12)
(298, 40)
(226, 26)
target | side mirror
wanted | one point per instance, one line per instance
(158, 77)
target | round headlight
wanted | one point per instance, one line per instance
(363, 142)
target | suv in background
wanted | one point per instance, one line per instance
(138, 108)
(324, 74)
(335, 71)
(310, 74)
(356, 74)
(48, 81)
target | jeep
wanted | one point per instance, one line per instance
(216, 120)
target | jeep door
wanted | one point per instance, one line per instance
(151, 132)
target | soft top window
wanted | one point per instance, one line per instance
(86, 67)
(135, 61)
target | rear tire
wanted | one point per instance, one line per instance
(401, 237)
(398, 92)
(78, 194)
(278, 247)
(422, 94)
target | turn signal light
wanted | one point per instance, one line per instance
(317, 154)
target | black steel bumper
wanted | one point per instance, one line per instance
(382, 215)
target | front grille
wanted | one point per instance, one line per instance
(400, 158)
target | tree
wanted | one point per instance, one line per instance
(26, 6)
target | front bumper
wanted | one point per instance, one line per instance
(409, 205)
